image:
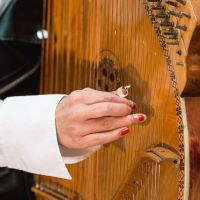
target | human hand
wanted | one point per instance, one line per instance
(89, 117)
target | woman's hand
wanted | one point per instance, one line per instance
(89, 117)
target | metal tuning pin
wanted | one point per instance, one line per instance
(170, 37)
(172, 3)
(158, 7)
(180, 63)
(152, 1)
(183, 2)
(163, 16)
(166, 23)
(183, 28)
(170, 32)
(183, 14)
(173, 43)
(171, 12)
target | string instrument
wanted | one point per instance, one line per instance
(152, 45)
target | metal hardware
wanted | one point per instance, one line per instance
(173, 43)
(164, 16)
(158, 7)
(183, 28)
(171, 32)
(154, 1)
(166, 23)
(186, 15)
(171, 37)
(171, 12)
(180, 63)
(183, 2)
(172, 3)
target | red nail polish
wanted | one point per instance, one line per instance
(140, 118)
(124, 131)
(133, 106)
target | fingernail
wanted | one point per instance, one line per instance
(139, 117)
(133, 106)
(124, 131)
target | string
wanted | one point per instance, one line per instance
(104, 152)
(91, 62)
(47, 70)
(112, 31)
(42, 81)
(96, 75)
(57, 43)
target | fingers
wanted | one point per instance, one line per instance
(111, 123)
(89, 96)
(88, 117)
(105, 137)
(107, 109)
(100, 138)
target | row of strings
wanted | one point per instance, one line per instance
(64, 70)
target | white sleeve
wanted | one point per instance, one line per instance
(28, 139)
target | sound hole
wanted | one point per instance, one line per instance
(107, 75)
(106, 88)
(105, 72)
(112, 77)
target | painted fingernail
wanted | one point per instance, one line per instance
(139, 117)
(124, 131)
(133, 106)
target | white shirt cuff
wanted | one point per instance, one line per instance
(28, 135)
(71, 156)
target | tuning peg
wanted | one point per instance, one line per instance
(183, 14)
(164, 16)
(180, 63)
(170, 37)
(166, 23)
(171, 32)
(158, 7)
(171, 12)
(183, 28)
(152, 1)
(183, 2)
(172, 3)
(180, 15)
(173, 43)
(171, 24)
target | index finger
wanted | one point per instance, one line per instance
(94, 96)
